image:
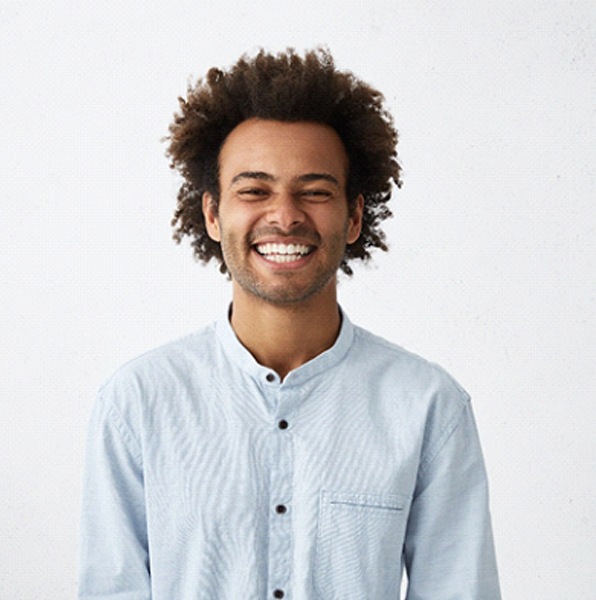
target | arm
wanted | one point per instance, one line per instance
(113, 544)
(449, 550)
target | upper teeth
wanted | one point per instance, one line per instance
(282, 249)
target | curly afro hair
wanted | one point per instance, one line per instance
(290, 88)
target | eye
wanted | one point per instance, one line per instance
(316, 195)
(251, 194)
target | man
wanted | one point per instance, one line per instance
(283, 452)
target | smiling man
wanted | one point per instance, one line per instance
(283, 222)
(283, 452)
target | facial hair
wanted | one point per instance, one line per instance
(289, 287)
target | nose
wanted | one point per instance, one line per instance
(285, 211)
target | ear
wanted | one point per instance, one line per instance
(211, 218)
(355, 220)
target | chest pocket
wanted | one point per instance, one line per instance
(359, 545)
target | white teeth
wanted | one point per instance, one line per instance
(282, 258)
(277, 252)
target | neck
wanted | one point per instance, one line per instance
(285, 336)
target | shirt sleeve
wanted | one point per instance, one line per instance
(449, 551)
(113, 552)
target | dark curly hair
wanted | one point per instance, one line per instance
(283, 87)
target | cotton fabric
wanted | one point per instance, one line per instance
(207, 477)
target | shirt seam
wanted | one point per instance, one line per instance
(433, 451)
(126, 433)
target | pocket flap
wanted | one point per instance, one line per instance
(365, 501)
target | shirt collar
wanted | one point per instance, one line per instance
(239, 355)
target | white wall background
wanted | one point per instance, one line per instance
(491, 271)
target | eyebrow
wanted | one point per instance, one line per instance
(253, 175)
(317, 177)
(306, 178)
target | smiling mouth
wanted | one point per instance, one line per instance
(283, 253)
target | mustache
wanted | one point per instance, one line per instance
(301, 231)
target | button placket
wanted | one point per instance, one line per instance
(280, 525)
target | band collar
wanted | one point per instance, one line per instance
(240, 356)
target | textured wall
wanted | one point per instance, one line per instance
(492, 264)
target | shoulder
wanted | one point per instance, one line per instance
(164, 367)
(407, 384)
(419, 390)
(387, 358)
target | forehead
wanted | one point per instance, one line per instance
(282, 149)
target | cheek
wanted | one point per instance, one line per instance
(233, 237)
(335, 222)
(239, 220)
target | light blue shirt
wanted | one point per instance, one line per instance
(208, 478)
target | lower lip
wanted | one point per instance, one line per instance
(285, 266)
